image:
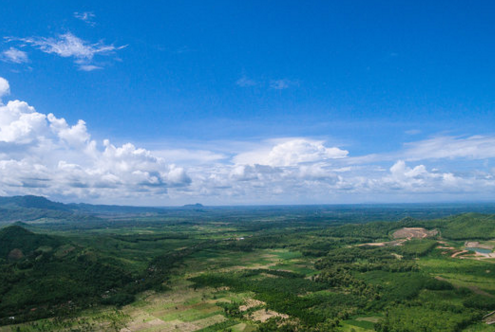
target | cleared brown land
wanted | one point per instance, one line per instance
(475, 244)
(16, 254)
(264, 315)
(414, 232)
(251, 303)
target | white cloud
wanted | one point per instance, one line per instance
(302, 170)
(448, 147)
(89, 67)
(19, 123)
(75, 136)
(282, 84)
(86, 17)
(245, 82)
(274, 84)
(70, 46)
(190, 156)
(419, 179)
(4, 88)
(290, 153)
(413, 132)
(43, 154)
(14, 55)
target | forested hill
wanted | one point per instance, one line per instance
(30, 208)
(469, 226)
(17, 240)
(44, 274)
(33, 202)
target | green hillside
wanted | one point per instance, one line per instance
(30, 201)
(469, 226)
(18, 238)
(32, 208)
(41, 275)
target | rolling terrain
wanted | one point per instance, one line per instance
(198, 268)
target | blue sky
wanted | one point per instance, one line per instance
(252, 102)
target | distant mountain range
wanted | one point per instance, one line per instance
(40, 209)
(30, 208)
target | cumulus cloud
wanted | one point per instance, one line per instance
(19, 123)
(75, 136)
(419, 179)
(43, 154)
(290, 153)
(190, 156)
(4, 87)
(302, 170)
(70, 46)
(14, 55)
(281, 171)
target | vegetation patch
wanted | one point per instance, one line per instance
(215, 272)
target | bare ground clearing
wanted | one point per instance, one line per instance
(414, 232)
(251, 303)
(264, 315)
(475, 244)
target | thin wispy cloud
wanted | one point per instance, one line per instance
(89, 67)
(413, 132)
(273, 84)
(449, 147)
(282, 84)
(14, 55)
(70, 46)
(86, 17)
(244, 82)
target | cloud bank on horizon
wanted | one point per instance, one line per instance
(42, 154)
